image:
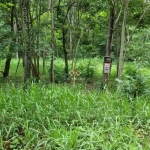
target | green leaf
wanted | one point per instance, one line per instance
(102, 14)
(9, 4)
(3, 5)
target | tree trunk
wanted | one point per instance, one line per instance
(44, 58)
(121, 57)
(52, 43)
(7, 66)
(44, 53)
(35, 54)
(9, 56)
(108, 49)
(64, 32)
(71, 23)
(26, 28)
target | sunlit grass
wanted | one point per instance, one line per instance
(71, 117)
(68, 117)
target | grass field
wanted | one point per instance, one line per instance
(91, 71)
(70, 118)
(67, 117)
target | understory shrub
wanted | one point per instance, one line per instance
(87, 70)
(134, 82)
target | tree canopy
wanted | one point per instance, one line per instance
(71, 29)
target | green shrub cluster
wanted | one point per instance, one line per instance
(135, 82)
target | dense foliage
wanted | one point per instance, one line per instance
(74, 29)
(43, 106)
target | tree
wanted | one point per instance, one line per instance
(62, 15)
(121, 59)
(9, 56)
(109, 42)
(52, 42)
(26, 29)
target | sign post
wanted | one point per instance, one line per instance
(107, 64)
(74, 73)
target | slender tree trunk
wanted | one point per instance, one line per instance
(108, 49)
(44, 58)
(64, 32)
(7, 66)
(71, 23)
(26, 28)
(70, 18)
(71, 46)
(39, 23)
(121, 55)
(44, 51)
(35, 54)
(9, 56)
(52, 43)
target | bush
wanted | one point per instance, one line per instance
(134, 82)
(87, 70)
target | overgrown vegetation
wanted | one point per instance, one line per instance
(135, 82)
(44, 106)
(67, 116)
(70, 117)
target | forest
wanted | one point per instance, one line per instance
(74, 74)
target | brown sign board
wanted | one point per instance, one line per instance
(107, 59)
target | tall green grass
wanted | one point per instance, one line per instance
(71, 118)
(91, 69)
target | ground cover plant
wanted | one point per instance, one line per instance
(69, 117)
